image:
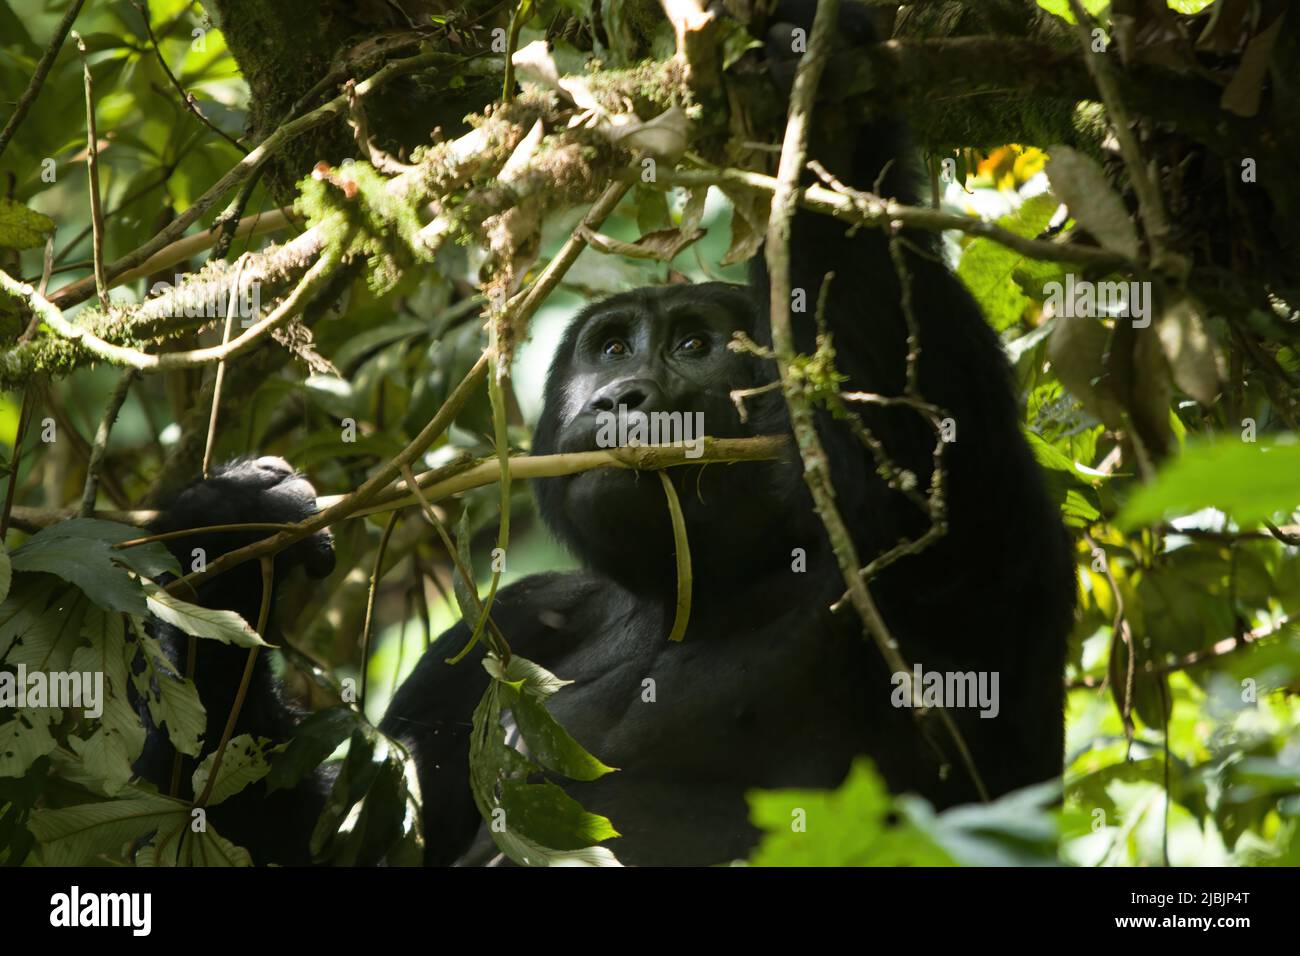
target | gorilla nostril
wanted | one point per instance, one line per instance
(602, 404)
(632, 398)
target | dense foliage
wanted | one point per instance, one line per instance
(1172, 447)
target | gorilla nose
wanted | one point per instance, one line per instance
(642, 394)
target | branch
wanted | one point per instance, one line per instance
(867, 209)
(315, 278)
(525, 467)
(816, 464)
(1151, 206)
(695, 27)
(333, 110)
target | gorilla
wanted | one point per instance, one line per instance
(771, 687)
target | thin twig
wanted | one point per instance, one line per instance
(42, 70)
(228, 222)
(99, 448)
(263, 614)
(187, 98)
(370, 607)
(24, 416)
(92, 169)
(221, 368)
(866, 209)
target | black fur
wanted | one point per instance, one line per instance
(275, 828)
(769, 688)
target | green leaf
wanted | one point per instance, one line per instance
(465, 591)
(147, 560)
(22, 228)
(173, 701)
(90, 833)
(26, 738)
(6, 572)
(106, 652)
(1249, 481)
(49, 643)
(1017, 829)
(313, 740)
(23, 607)
(1079, 182)
(544, 813)
(205, 848)
(224, 626)
(534, 678)
(86, 562)
(1061, 8)
(367, 753)
(526, 852)
(990, 270)
(853, 825)
(387, 826)
(549, 743)
(110, 752)
(243, 763)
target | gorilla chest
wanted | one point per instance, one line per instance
(775, 703)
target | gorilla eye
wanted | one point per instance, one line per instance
(614, 347)
(692, 343)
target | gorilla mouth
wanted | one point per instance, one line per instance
(633, 428)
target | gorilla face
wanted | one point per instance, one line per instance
(642, 357)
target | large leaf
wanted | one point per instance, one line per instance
(224, 626)
(24, 607)
(243, 763)
(1250, 481)
(173, 701)
(548, 743)
(49, 643)
(850, 826)
(313, 740)
(995, 274)
(148, 560)
(86, 562)
(1079, 182)
(25, 738)
(91, 833)
(111, 750)
(205, 848)
(22, 228)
